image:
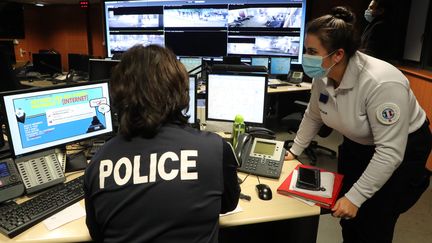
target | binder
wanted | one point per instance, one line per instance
(321, 201)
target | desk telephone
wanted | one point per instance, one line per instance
(11, 184)
(259, 153)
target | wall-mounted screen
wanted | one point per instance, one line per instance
(211, 28)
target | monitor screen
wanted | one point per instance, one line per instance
(280, 65)
(191, 62)
(78, 62)
(229, 94)
(101, 69)
(212, 28)
(43, 118)
(260, 61)
(47, 63)
(192, 100)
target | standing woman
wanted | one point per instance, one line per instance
(386, 136)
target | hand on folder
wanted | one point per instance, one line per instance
(344, 208)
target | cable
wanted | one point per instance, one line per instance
(240, 181)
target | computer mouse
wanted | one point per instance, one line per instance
(264, 192)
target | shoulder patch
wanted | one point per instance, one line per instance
(388, 113)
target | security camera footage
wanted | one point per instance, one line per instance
(264, 45)
(122, 42)
(195, 17)
(212, 28)
(266, 17)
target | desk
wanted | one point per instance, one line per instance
(46, 83)
(255, 212)
(304, 86)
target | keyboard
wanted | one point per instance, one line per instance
(15, 219)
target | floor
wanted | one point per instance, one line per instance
(413, 226)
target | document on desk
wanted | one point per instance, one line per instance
(65, 216)
(238, 209)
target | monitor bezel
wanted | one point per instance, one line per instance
(237, 73)
(39, 89)
(195, 120)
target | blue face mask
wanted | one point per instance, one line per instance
(368, 15)
(312, 66)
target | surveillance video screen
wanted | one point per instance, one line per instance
(195, 17)
(122, 42)
(266, 17)
(264, 45)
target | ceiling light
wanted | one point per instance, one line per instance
(39, 4)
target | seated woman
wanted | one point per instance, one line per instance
(158, 180)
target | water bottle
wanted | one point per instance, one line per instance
(238, 128)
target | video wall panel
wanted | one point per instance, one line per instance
(211, 28)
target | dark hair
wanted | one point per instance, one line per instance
(383, 4)
(336, 30)
(150, 88)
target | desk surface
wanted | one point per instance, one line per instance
(256, 211)
(304, 86)
(280, 89)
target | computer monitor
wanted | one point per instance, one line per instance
(191, 63)
(260, 61)
(39, 119)
(78, 62)
(208, 28)
(229, 94)
(47, 63)
(192, 100)
(101, 69)
(280, 65)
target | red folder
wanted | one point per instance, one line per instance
(320, 201)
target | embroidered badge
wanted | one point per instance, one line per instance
(388, 113)
(323, 98)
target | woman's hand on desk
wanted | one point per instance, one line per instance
(344, 208)
(290, 156)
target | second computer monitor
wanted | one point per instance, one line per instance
(47, 63)
(78, 62)
(280, 65)
(191, 63)
(101, 69)
(260, 61)
(229, 94)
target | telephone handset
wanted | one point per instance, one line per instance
(260, 156)
(11, 185)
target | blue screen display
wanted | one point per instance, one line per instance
(42, 119)
(280, 65)
(260, 61)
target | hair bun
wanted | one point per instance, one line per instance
(344, 14)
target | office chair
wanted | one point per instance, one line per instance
(292, 123)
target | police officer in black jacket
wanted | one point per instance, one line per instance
(158, 180)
